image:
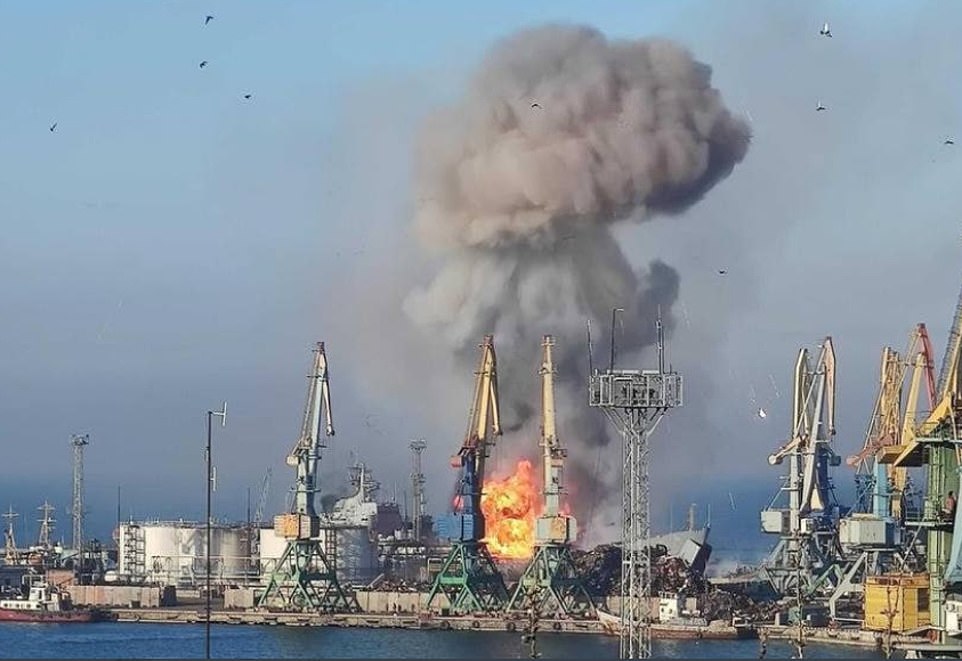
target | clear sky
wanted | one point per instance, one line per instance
(172, 244)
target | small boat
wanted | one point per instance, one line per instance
(43, 604)
(684, 628)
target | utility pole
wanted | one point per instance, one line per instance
(635, 402)
(79, 442)
(222, 414)
(417, 479)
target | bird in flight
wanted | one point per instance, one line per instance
(722, 271)
(825, 31)
(203, 64)
(536, 105)
(949, 141)
(247, 96)
(53, 127)
(208, 19)
(820, 107)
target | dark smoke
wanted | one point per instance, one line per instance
(560, 134)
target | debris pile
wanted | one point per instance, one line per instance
(600, 568)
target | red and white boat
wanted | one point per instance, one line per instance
(42, 604)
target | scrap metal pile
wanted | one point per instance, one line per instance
(600, 569)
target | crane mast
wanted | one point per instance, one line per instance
(304, 578)
(552, 454)
(469, 578)
(550, 584)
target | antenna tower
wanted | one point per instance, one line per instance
(79, 442)
(635, 402)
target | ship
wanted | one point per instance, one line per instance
(685, 628)
(43, 604)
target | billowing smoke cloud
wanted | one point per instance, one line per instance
(560, 135)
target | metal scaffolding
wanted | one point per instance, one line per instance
(79, 442)
(635, 401)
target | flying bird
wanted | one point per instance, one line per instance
(247, 96)
(825, 31)
(536, 105)
(203, 64)
(820, 107)
(208, 19)
(722, 271)
(949, 141)
(53, 127)
(762, 414)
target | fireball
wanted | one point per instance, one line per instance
(510, 507)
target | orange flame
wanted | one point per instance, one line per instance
(510, 507)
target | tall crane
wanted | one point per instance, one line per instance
(937, 445)
(469, 578)
(883, 487)
(805, 558)
(550, 583)
(304, 577)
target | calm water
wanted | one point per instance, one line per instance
(139, 641)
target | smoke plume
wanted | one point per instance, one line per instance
(560, 135)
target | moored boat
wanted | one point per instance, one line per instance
(684, 628)
(42, 604)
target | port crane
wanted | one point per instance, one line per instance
(304, 577)
(884, 489)
(468, 577)
(808, 549)
(937, 445)
(550, 583)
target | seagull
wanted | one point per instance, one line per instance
(536, 105)
(949, 141)
(762, 414)
(247, 96)
(53, 126)
(722, 271)
(820, 107)
(203, 64)
(825, 31)
(208, 19)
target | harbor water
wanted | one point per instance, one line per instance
(155, 641)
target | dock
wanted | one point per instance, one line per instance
(360, 620)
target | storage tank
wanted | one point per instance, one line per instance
(174, 553)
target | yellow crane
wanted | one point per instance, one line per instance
(550, 583)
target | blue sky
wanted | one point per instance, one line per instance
(172, 245)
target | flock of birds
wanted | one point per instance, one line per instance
(207, 19)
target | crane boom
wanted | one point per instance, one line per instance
(306, 452)
(484, 424)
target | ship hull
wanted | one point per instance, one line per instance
(659, 631)
(51, 617)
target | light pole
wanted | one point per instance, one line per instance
(210, 479)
